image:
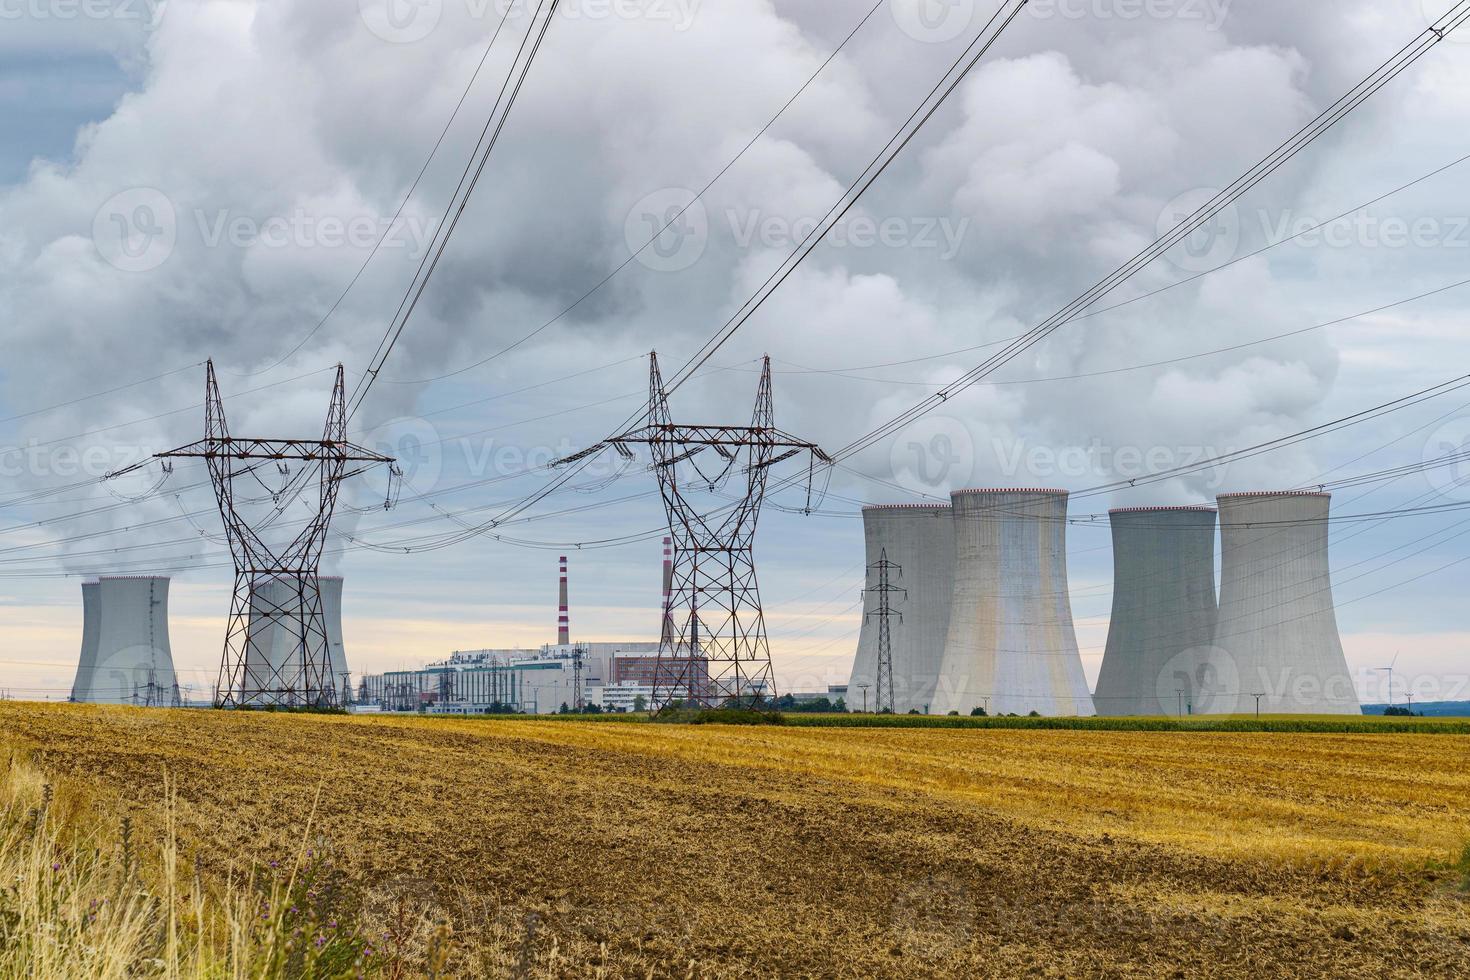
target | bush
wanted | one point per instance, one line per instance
(723, 716)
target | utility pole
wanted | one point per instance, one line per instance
(885, 590)
(865, 696)
(1258, 705)
(1180, 692)
(577, 703)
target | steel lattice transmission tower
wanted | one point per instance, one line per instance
(885, 590)
(713, 650)
(276, 591)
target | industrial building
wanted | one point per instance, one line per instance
(1011, 647)
(920, 540)
(612, 676)
(126, 657)
(1277, 632)
(1164, 611)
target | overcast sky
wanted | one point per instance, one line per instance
(205, 178)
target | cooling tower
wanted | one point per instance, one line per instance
(275, 671)
(87, 662)
(331, 590)
(126, 658)
(1164, 610)
(919, 538)
(1277, 632)
(1011, 647)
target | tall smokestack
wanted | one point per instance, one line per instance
(563, 623)
(668, 605)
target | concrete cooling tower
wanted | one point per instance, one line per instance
(1011, 647)
(126, 658)
(1164, 609)
(331, 589)
(274, 663)
(1277, 631)
(919, 538)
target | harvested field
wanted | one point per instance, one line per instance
(557, 848)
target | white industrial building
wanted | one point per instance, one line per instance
(1011, 647)
(1277, 630)
(613, 675)
(1164, 612)
(920, 540)
(126, 657)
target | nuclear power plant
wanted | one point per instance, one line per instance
(1010, 647)
(1164, 610)
(919, 540)
(126, 658)
(1277, 631)
(979, 617)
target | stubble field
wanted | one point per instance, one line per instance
(511, 848)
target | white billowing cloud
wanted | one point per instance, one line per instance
(273, 130)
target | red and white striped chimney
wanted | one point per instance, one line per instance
(668, 604)
(563, 622)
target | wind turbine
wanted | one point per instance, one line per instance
(1389, 668)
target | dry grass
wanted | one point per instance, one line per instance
(525, 848)
(79, 901)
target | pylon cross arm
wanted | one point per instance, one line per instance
(298, 450)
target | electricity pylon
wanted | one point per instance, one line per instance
(713, 650)
(885, 590)
(275, 587)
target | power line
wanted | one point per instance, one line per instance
(698, 196)
(1328, 119)
(469, 86)
(461, 200)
